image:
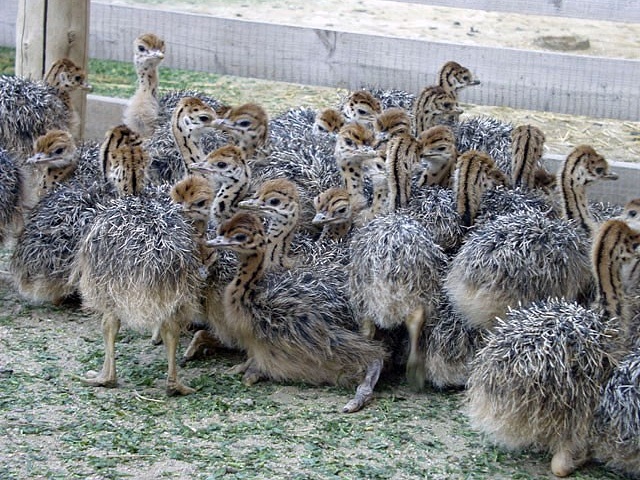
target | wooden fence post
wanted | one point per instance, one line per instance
(47, 30)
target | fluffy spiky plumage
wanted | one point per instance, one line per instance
(27, 110)
(88, 169)
(449, 346)
(11, 195)
(537, 381)
(288, 127)
(139, 260)
(390, 98)
(603, 211)
(530, 257)
(42, 259)
(617, 432)
(318, 345)
(395, 266)
(486, 134)
(503, 200)
(308, 162)
(394, 281)
(435, 208)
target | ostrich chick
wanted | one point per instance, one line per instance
(195, 196)
(333, 213)
(354, 146)
(278, 201)
(42, 259)
(361, 107)
(138, 263)
(54, 157)
(453, 77)
(67, 77)
(328, 121)
(227, 170)
(438, 156)
(293, 327)
(434, 106)
(29, 109)
(141, 113)
(182, 139)
(248, 124)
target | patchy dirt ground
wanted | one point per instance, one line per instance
(54, 426)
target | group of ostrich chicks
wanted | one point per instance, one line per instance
(386, 235)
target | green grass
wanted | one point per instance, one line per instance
(7, 60)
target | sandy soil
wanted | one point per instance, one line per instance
(384, 17)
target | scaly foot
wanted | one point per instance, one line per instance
(99, 379)
(200, 345)
(251, 376)
(240, 368)
(175, 389)
(364, 392)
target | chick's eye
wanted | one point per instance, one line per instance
(632, 213)
(240, 237)
(204, 118)
(348, 142)
(58, 151)
(342, 210)
(274, 202)
(141, 48)
(221, 164)
(600, 170)
(200, 204)
(361, 111)
(244, 123)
